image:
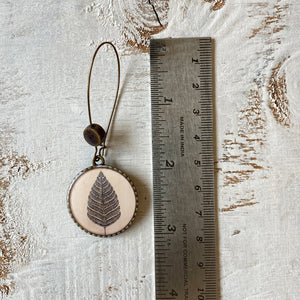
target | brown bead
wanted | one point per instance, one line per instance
(94, 134)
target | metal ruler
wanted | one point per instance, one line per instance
(183, 168)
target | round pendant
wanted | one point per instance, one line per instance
(102, 201)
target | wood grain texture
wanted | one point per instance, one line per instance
(136, 20)
(45, 52)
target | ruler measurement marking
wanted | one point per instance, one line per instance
(171, 229)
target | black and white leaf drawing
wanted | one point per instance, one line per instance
(103, 204)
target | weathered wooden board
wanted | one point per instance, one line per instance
(45, 52)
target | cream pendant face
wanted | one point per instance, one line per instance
(102, 201)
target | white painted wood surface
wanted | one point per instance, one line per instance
(45, 50)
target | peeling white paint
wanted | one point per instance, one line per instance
(46, 53)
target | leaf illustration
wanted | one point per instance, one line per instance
(103, 204)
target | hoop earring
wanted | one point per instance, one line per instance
(102, 200)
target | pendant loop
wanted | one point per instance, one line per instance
(99, 157)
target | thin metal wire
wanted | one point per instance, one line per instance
(99, 156)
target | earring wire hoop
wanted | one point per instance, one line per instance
(100, 156)
(117, 92)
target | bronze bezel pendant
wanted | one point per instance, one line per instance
(102, 200)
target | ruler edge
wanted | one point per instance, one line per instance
(214, 148)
